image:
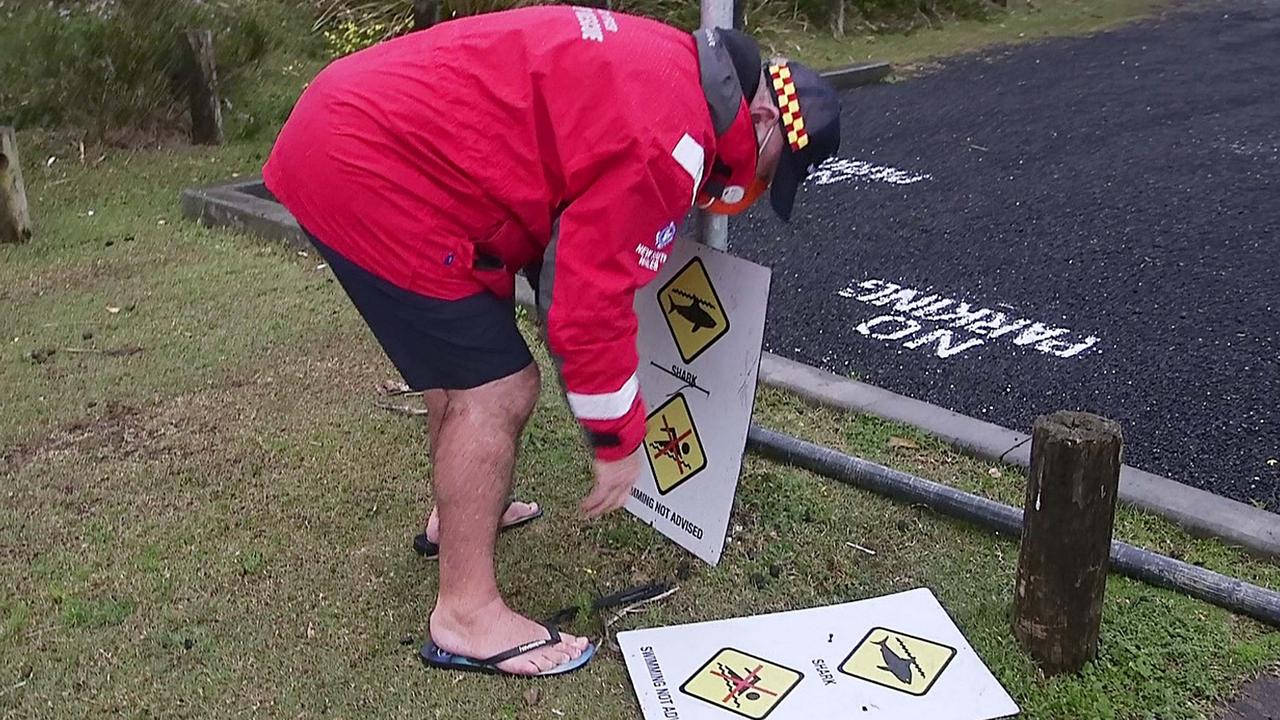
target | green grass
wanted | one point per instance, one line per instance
(218, 525)
(220, 522)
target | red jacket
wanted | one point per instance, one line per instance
(411, 156)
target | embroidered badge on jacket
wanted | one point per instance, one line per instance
(665, 236)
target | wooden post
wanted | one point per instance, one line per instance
(15, 218)
(206, 111)
(1066, 538)
(426, 13)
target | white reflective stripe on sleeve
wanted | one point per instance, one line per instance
(691, 157)
(605, 406)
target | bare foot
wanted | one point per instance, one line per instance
(516, 511)
(495, 628)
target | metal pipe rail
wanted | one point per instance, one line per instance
(1226, 592)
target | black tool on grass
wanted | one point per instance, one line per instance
(622, 598)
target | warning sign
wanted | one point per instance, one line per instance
(672, 444)
(696, 424)
(693, 311)
(899, 661)
(743, 684)
(797, 665)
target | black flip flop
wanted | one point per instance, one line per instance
(431, 551)
(432, 656)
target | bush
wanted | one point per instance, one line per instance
(111, 65)
(112, 69)
(905, 15)
(350, 25)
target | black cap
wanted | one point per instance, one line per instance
(744, 52)
(810, 127)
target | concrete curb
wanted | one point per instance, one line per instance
(246, 206)
(1199, 512)
(852, 76)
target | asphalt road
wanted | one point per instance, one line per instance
(1087, 224)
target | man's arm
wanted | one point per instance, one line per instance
(614, 237)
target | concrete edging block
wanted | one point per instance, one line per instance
(852, 76)
(245, 206)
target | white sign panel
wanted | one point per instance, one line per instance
(898, 657)
(701, 328)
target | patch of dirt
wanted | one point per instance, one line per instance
(68, 277)
(185, 424)
(113, 431)
(114, 265)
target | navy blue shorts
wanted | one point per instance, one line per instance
(447, 344)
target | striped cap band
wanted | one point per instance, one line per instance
(789, 103)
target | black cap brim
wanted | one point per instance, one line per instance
(809, 138)
(786, 183)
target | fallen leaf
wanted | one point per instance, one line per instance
(901, 442)
(393, 387)
(995, 473)
(532, 696)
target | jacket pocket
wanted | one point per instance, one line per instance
(496, 254)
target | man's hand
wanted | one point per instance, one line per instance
(613, 485)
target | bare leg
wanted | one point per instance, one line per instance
(472, 460)
(437, 402)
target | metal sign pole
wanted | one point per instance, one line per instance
(714, 229)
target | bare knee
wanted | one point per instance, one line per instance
(505, 403)
(519, 394)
